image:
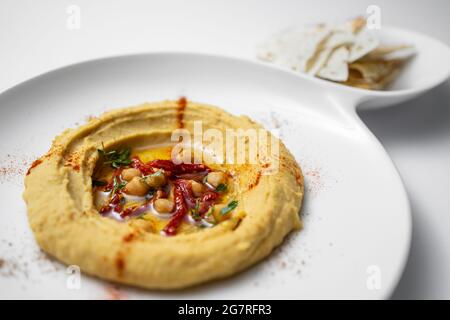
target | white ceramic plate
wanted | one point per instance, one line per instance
(356, 213)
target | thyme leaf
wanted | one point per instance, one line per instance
(195, 212)
(117, 185)
(222, 187)
(115, 158)
(230, 207)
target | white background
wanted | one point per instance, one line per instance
(34, 39)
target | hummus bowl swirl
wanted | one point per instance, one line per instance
(109, 198)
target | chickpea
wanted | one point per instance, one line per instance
(163, 205)
(130, 173)
(137, 187)
(197, 188)
(216, 178)
(142, 224)
(156, 179)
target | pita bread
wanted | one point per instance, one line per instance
(392, 52)
(294, 49)
(348, 53)
(365, 42)
(335, 40)
(374, 75)
(336, 68)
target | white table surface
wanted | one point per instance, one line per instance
(34, 39)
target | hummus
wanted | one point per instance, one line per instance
(113, 198)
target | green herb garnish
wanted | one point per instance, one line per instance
(117, 185)
(155, 174)
(230, 207)
(195, 212)
(116, 158)
(210, 212)
(98, 183)
(222, 187)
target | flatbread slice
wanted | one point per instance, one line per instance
(336, 68)
(375, 75)
(391, 52)
(335, 40)
(364, 43)
(293, 49)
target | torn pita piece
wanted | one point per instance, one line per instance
(336, 67)
(350, 54)
(294, 48)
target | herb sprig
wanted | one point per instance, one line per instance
(195, 212)
(222, 187)
(230, 207)
(116, 158)
(117, 185)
